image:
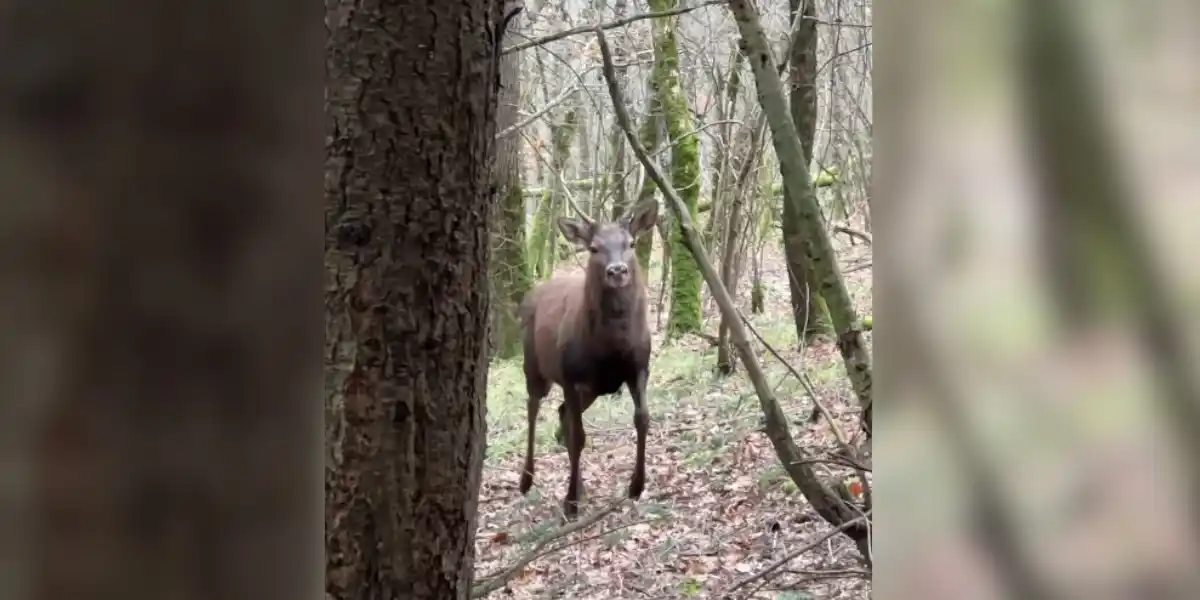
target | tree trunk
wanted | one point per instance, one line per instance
(617, 138)
(722, 161)
(510, 268)
(412, 103)
(685, 173)
(545, 233)
(156, 236)
(799, 191)
(650, 140)
(808, 308)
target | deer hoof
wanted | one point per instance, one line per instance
(635, 488)
(570, 509)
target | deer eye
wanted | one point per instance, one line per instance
(593, 249)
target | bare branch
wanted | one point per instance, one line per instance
(537, 115)
(610, 25)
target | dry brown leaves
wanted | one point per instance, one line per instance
(699, 527)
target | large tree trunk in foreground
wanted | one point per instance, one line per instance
(808, 308)
(157, 343)
(412, 111)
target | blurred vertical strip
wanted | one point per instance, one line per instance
(158, 375)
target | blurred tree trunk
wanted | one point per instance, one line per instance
(685, 171)
(808, 308)
(1086, 190)
(406, 294)
(510, 267)
(156, 232)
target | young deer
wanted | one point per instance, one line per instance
(590, 335)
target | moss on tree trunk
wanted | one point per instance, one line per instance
(808, 307)
(685, 173)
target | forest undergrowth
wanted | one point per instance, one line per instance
(718, 506)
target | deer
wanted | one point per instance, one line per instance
(589, 334)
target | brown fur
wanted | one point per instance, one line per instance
(590, 337)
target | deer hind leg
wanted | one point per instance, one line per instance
(559, 434)
(641, 422)
(537, 388)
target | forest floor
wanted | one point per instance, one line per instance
(718, 506)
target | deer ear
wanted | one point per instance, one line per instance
(643, 220)
(575, 230)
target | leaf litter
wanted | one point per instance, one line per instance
(717, 507)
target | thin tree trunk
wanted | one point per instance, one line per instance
(808, 308)
(617, 182)
(510, 267)
(650, 138)
(800, 192)
(545, 239)
(407, 294)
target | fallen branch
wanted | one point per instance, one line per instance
(793, 554)
(496, 581)
(553, 37)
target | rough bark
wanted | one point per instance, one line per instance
(412, 119)
(510, 268)
(799, 191)
(684, 314)
(808, 308)
(155, 236)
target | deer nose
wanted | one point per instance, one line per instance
(618, 270)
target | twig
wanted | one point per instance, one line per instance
(793, 554)
(494, 582)
(553, 37)
(866, 237)
(537, 115)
